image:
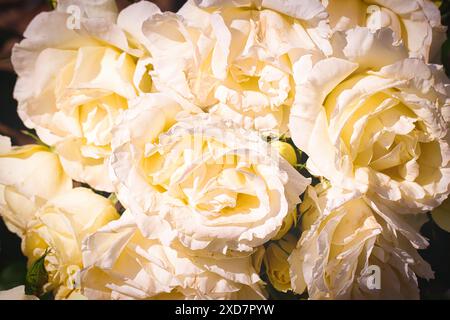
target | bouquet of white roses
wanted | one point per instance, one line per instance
(230, 150)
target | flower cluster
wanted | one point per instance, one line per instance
(177, 149)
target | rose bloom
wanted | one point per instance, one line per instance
(29, 176)
(121, 263)
(218, 188)
(381, 131)
(59, 227)
(343, 243)
(74, 80)
(237, 61)
(416, 23)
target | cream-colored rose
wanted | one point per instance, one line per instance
(218, 188)
(384, 131)
(355, 249)
(239, 61)
(29, 176)
(415, 23)
(74, 78)
(276, 262)
(121, 263)
(60, 226)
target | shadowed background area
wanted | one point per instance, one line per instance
(15, 16)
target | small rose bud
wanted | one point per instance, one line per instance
(286, 151)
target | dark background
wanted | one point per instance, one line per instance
(15, 16)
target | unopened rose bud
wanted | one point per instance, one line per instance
(286, 151)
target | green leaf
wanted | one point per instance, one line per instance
(36, 277)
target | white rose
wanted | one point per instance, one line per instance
(238, 61)
(343, 244)
(29, 176)
(60, 226)
(416, 23)
(74, 80)
(383, 132)
(218, 188)
(121, 263)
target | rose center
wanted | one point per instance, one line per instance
(205, 176)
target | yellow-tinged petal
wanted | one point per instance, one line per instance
(29, 176)
(60, 226)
